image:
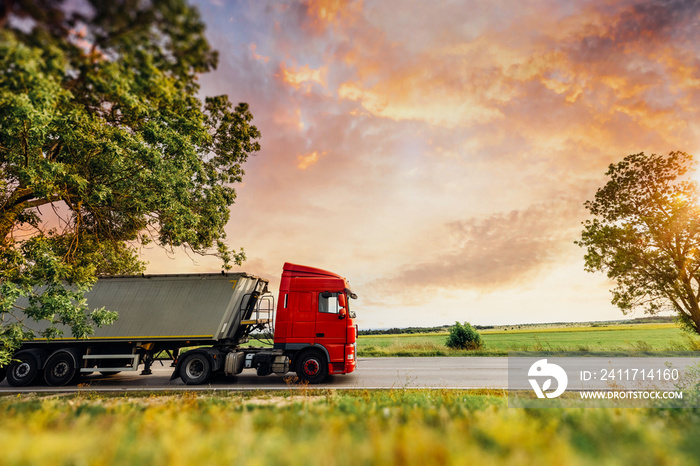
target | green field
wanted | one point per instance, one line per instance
(391, 427)
(633, 337)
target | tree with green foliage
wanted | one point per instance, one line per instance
(464, 337)
(105, 146)
(645, 234)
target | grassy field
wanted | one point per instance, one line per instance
(394, 427)
(637, 337)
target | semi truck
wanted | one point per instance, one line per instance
(202, 322)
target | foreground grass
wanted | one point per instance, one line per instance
(622, 338)
(335, 428)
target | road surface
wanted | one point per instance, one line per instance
(429, 372)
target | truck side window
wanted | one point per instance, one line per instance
(328, 303)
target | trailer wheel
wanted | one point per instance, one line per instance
(61, 369)
(23, 371)
(312, 366)
(195, 369)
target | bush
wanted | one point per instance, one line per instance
(464, 337)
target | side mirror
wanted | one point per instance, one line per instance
(342, 312)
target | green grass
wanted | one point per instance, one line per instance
(309, 427)
(624, 338)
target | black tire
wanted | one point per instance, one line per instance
(3, 371)
(195, 369)
(24, 371)
(61, 369)
(312, 366)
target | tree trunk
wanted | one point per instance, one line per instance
(4, 12)
(22, 198)
(8, 218)
(691, 301)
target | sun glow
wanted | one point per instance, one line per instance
(694, 172)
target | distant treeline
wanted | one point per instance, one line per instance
(446, 328)
(398, 331)
(654, 319)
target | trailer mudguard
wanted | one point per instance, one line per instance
(216, 358)
(40, 355)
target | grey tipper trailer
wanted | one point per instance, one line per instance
(157, 313)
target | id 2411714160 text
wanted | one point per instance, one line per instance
(631, 375)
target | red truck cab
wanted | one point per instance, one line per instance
(314, 322)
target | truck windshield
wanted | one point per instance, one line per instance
(351, 313)
(349, 294)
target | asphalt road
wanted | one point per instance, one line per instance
(431, 372)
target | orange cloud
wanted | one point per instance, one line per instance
(438, 99)
(253, 51)
(288, 118)
(325, 10)
(304, 77)
(501, 250)
(307, 160)
(324, 13)
(369, 100)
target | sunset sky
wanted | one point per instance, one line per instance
(438, 154)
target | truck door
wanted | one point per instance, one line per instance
(330, 324)
(303, 322)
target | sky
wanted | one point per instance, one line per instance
(438, 154)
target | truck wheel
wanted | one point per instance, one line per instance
(23, 371)
(195, 369)
(61, 369)
(312, 366)
(3, 371)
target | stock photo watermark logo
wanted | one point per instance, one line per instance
(542, 370)
(547, 380)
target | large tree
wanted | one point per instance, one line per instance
(645, 234)
(105, 145)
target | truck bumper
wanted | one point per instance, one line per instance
(348, 365)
